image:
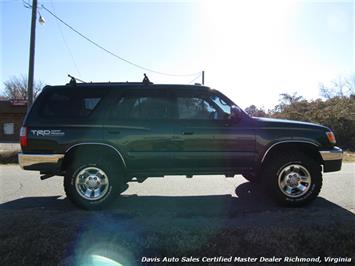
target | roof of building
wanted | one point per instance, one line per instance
(13, 107)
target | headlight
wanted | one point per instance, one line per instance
(331, 137)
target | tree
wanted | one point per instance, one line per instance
(16, 88)
(340, 87)
(252, 110)
(336, 112)
(287, 100)
(291, 106)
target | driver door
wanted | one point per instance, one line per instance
(207, 139)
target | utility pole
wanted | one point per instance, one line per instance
(32, 56)
(203, 77)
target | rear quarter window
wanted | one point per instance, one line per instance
(67, 103)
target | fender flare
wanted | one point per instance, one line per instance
(286, 141)
(102, 144)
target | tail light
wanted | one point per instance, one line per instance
(23, 136)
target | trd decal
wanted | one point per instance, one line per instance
(47, 132)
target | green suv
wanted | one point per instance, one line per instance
(101, 135)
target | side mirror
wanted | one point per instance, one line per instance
(236, 114)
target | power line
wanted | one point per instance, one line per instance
(66, 44)
(26, 4)
(199, 75)
(112, 53)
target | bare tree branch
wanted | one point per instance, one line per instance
(16, 88)
(340, 87)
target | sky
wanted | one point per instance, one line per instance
(250, 50)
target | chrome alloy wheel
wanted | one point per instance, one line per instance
(294, 180)
(91, 183)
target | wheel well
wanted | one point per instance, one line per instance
(306, 148)
(93, 150)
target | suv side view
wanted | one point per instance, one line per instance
(101, 135)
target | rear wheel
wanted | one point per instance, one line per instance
(92, 184)
(253, 178)
(293, 179)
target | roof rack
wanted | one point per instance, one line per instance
(146, 80)
(73, 80)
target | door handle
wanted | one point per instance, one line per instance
(187, 133)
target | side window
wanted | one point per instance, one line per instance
(225, 107)
(195, 108)
(91, 103)
(142, 106)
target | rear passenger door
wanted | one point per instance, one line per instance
(139, 126)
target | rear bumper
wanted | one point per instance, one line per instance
(41, 162)
(332, 159)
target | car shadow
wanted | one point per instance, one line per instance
(136, 227)
(248, 198)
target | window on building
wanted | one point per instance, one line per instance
(9, 128)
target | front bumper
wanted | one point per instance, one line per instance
(332, 159)
(41, 162)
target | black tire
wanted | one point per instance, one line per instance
(113, 174)
(279, 179)
(251, 177)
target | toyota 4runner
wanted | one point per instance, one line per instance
(101, 135)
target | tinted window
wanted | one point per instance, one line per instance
(75, 103)
(194, 108)
(144, 105)
(225, 107)
(203, 107)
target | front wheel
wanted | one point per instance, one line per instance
(293, 179)
(92, 185)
